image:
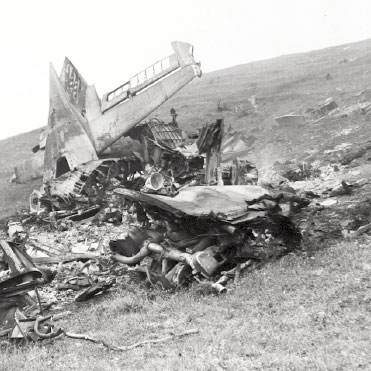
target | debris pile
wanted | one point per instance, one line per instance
(311, 115)
(205, 232)
(317, 114)
(179, 212)
(18, 275)
(175, 210)
(165, 166)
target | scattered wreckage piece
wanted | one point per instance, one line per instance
(79, 191)
(291, 120)
(224, 203)
(164, 152)
(35, 329)
(202, 230)
(311, 116)
(316, 115)
(209, 143)
(15, 228)
(226, 153)
(236, 144)
(66, 258)
(96, 289)
(9, 307)
(18, 274)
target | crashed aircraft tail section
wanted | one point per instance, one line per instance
(68, 143)
(81, 126)
(130, 103)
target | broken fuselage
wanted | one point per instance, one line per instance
(81, 126)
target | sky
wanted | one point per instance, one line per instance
(109, 41)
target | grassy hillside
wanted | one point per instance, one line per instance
(13, 150)
(281, 85)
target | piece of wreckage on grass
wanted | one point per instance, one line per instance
(205, 232)
(18, 276)
(207, 229)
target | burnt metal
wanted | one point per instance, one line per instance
(23, 275)
(94, 290)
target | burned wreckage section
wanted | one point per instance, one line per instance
(204, 229)
(204, 232)
(186, 223)
(191, 208)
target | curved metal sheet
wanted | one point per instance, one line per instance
(226, 203)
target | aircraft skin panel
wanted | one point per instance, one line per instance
(93, 104)
(66, 135)
(130, 103)
(114, 123)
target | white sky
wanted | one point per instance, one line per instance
(111, 40)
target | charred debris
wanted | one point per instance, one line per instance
(187, 213)
(177, 210)
(183, 214)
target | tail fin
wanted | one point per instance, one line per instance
(74, 85)
(67, 143)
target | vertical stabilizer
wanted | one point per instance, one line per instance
(67, 144)
(74, 85)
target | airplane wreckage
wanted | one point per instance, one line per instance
(196, 213)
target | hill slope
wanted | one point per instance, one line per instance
(280, 85)
(13, 151)
(248, 97)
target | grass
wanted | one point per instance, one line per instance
(299, 313)
(14, 197)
